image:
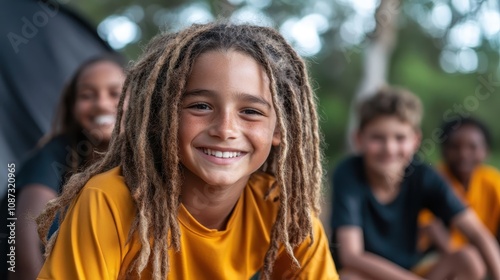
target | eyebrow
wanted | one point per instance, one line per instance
(247, 97)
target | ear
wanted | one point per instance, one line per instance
(418, 139)
(356, 137)
(276, 136)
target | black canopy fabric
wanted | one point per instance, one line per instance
(41, 45)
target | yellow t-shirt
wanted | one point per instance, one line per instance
(482, 196)
(92, 240)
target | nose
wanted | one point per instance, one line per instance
(390, 146)
(105, 102)
(464, 153)
(224, 126)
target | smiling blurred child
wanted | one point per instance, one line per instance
(379, 194)
(466, 144)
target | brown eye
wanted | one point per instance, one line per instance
(400, 138)
(251, 112)
(200, 106)
(115, 94)
(377, 137)
(473, 147)
(85, 96)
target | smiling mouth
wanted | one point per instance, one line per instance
(103, 120)
(220, 154)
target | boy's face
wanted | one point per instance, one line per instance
(227, 122)
(387, 145)
(466, 148)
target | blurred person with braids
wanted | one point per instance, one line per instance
(213, 172)
(84, 123)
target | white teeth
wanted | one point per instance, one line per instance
(105, 119)
(220, 154)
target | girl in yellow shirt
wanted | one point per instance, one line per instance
(213, 171)
(465, 146)
(478, 185)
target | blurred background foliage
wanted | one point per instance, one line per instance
(447, 51)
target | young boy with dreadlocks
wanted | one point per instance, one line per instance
(379, 194)
(214, 173)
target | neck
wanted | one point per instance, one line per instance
(210, 205)
(97, 153)
(385, 187)
(102, 146)
(465, 182)
(462, 178)
(387, 181)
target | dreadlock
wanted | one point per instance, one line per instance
(146, 147)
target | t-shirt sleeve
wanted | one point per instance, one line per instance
(89, 244)
(346, 198)
(315, 259)
(439, 197)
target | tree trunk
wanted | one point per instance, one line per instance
(377, 57)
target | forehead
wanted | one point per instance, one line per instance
(228, 70)
(388, 124)
(467, 132)
(102, 70)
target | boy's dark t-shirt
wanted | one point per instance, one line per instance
(389, 230)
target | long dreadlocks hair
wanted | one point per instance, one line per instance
(147, 147)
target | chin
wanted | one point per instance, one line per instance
(388, 170)
(98, 136)
(222, 182)
(464, 171)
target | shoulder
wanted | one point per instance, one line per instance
(106, 201)
(424, 173)
(313, 255)
(349, 165)
(261, 200)
(52, 150)
(111, 187)
(489, 172)
(45, 165)
(348, 175)
(55, 149)
(262, 185)
(489, 176)
(58, 142)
